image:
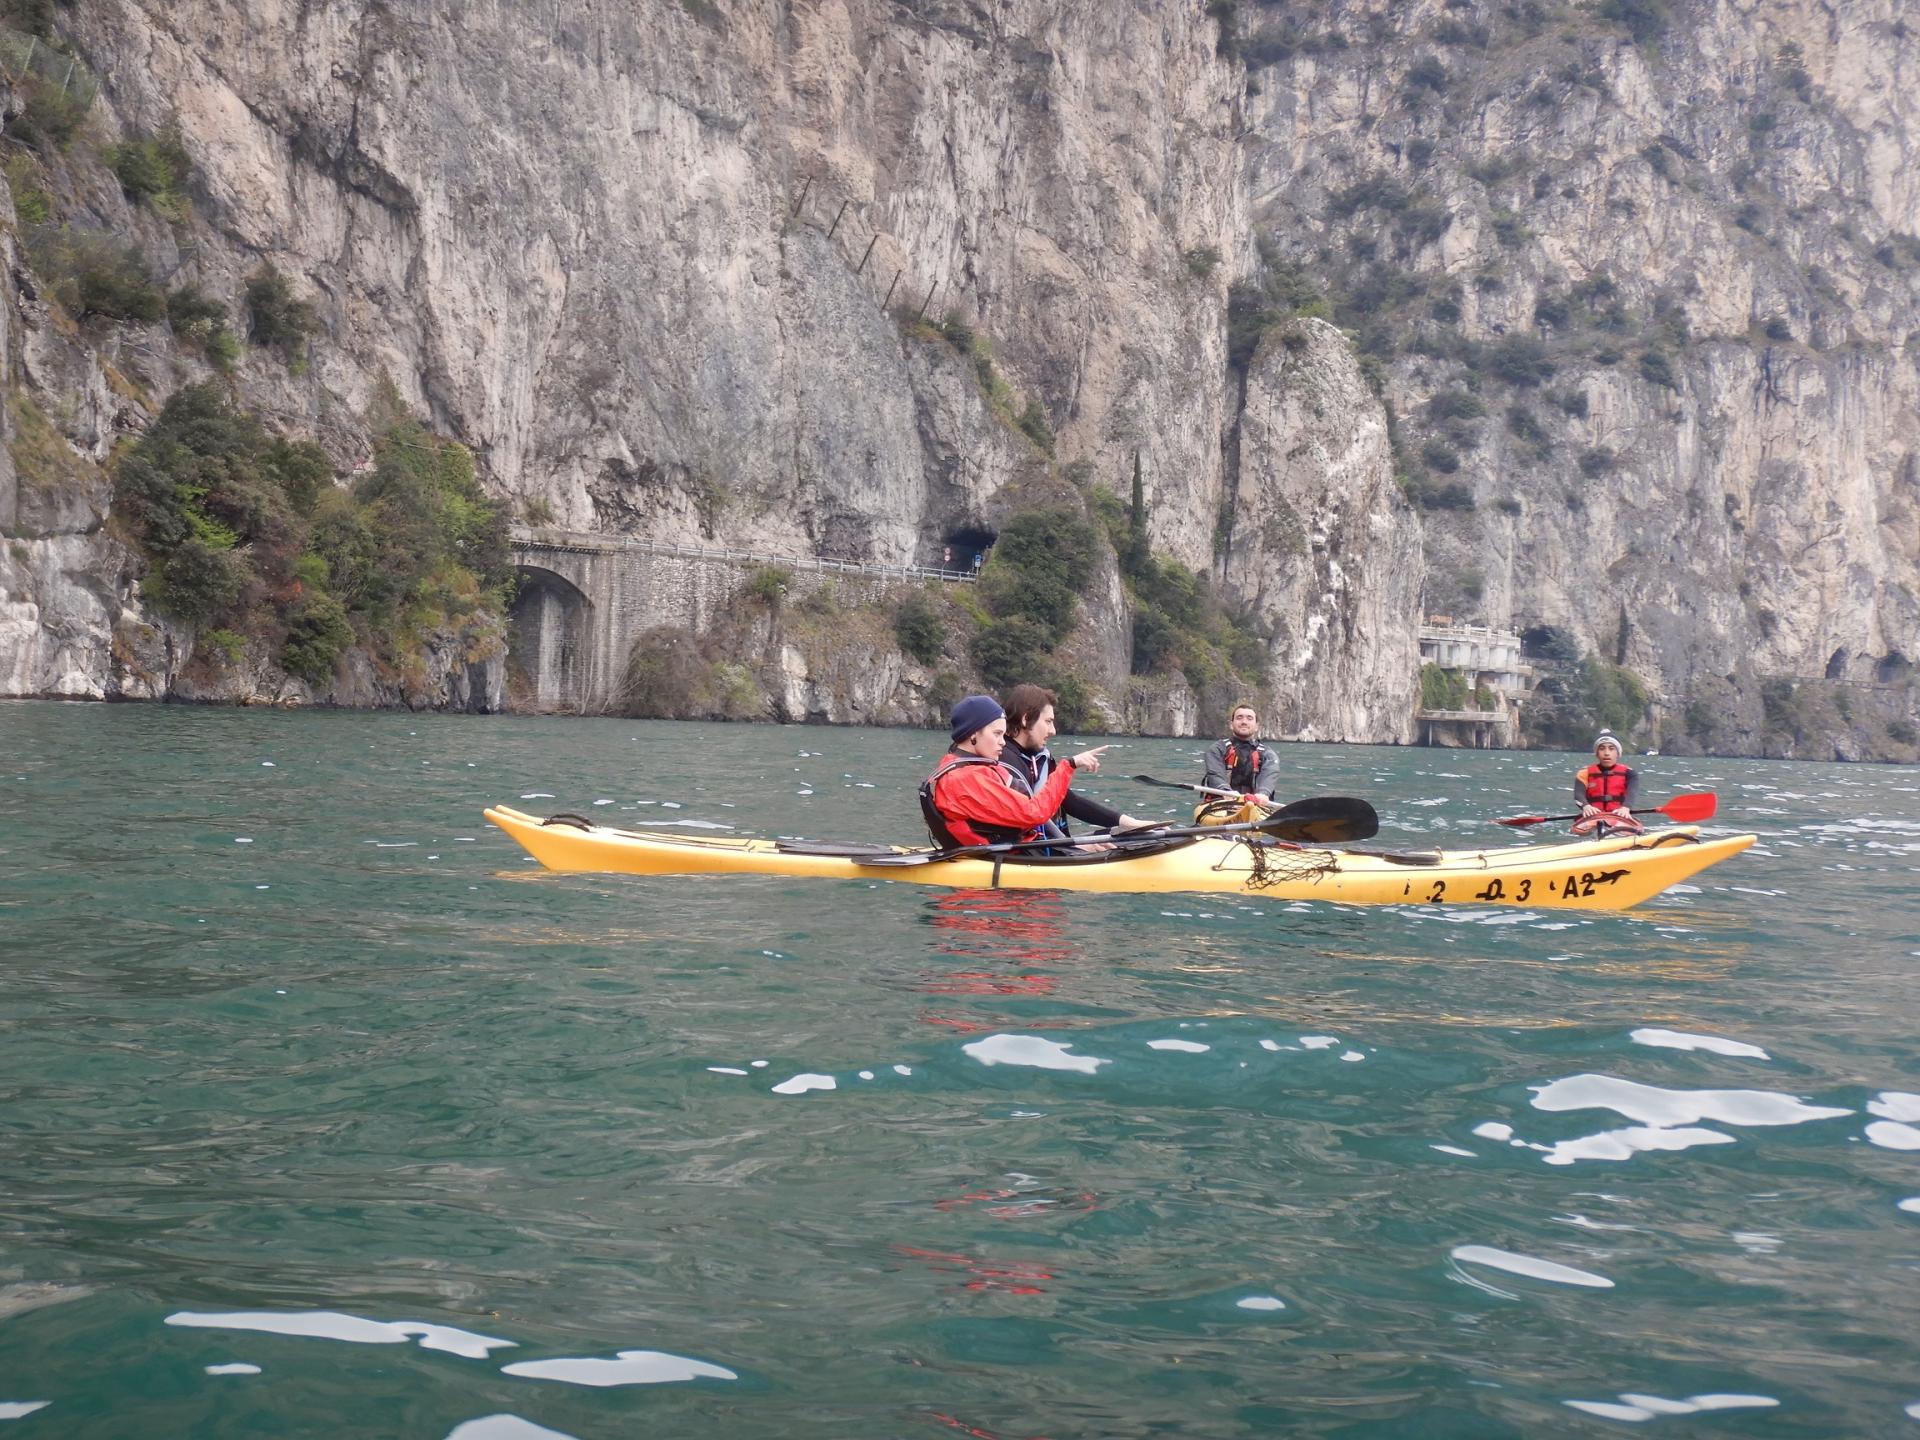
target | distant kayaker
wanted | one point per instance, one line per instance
(971, 799)
(1030, 725)
(1605, 790)
(1242, 762)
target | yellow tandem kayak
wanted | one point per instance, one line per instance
(1609, 874)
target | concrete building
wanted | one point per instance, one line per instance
(1487, 660)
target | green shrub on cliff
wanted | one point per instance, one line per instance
(94, 274)
(1039, 565)
(317, 636)
(768, 585)
(1442, 689)
(153, 169)
(276, 319)
(917, 625)
(48, 115)
(245, 531)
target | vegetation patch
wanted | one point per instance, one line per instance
(246, 532)
(276, 319)
(153, 170)
(91, 274)
(42, 459)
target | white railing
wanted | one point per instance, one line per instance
(591, 544)
(1472, 634)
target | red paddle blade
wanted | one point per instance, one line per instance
(1520, 820)
(1687, 808)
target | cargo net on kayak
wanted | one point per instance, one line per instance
(1276, 862)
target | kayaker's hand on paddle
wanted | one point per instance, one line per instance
(1089, 760)
(1587, 812)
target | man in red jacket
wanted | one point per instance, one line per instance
(971, 799)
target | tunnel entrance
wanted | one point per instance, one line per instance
(963, 542)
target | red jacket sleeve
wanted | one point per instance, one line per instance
(981, 792)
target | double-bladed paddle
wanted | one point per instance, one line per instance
(1323, 820)
(1698, 805)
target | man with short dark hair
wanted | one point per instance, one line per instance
(1242, 762)
(1030, 725)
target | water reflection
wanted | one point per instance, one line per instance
(332, 1325)
(628, 1367)
(504, 1427)
(1008, 1277)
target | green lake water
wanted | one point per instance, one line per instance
(323, 1111)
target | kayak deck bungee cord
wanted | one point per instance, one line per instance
(1609, 874)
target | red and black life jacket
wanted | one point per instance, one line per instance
(1241, 773)
(940, 827)
(1605, 786)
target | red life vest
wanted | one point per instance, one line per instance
(950, 834)
(1606, 786)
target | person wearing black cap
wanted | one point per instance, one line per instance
(971, 800)
(1605, 791)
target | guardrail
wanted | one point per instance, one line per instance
(587, 544)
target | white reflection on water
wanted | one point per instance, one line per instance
(1895, 1105)
(1042, 1054)
(15, 1409)
(1686, 1040)
(1635, 1407)
(1652, 1105)
(1628, 1141)
(801, 1084)
(1666, 1116)
(1190, 1047)
(1529, 1265)
(333, 1325)
(1261, 1302)
(238, 1367)
(628, 1367)
(1890, 1135)
(504, 1427)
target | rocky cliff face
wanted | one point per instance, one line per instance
(1641, 284)
(1631, 279)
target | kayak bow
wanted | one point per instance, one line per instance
(1609, 874)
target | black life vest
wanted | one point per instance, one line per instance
(937, 823)
(1606, 787)
(1029, 771)
(1241, 773)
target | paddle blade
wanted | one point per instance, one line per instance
(1519, 821)
(1687, 808)
(1323, 820)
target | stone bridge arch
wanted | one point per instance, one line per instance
(551, 627)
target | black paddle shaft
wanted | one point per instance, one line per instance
(1322, 820)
